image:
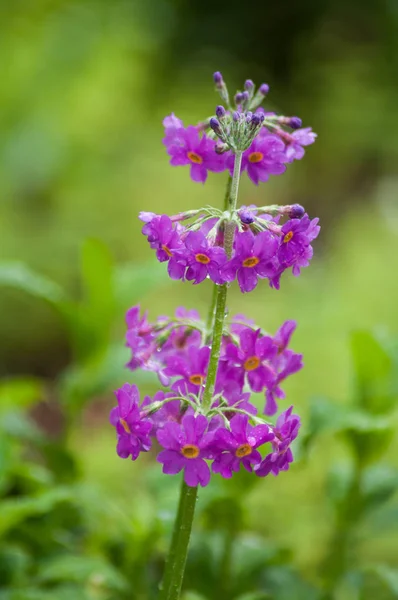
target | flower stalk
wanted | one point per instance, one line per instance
(175, 563)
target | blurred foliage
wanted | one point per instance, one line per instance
(85, 86)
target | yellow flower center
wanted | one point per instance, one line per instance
(196, 379)
(251, 363)
(243, 450)
(202, 258)
(256, 157)
(288, 237)
(125, 426)
(251, 262)
(195, 158)
(190, 451)
(168, 252)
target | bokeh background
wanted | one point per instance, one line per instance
(85, 86)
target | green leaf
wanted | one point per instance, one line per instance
(85, 570)
(339, 482)
(378, 485)
(16, 510)
(19, 276)
(133, 281)
(374, 373)
(89, 321)
(20, 392)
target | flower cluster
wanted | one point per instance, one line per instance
(177, 350)
(262, 248)
(205, 419)
(268, 141)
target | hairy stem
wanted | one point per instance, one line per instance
(175, 564)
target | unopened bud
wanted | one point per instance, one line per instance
(264, 89)
(295, 122)
(215, 125)
(217, 78)
(221, 147)
(249, 85)
(238, 98)
(295, 211)
(246, 216)
(220, 111)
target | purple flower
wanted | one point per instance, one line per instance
(295, 142)
(186, 445)
(186, 147)
(254, 356)
(132, 426)
(253, 258)
(163, 236)
(202, 259)
(266, 156)
(239, 446)
(170, 411)
(190, 367)
(294, 250)
(285, 431)
(285, 363)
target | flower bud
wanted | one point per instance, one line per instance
(264, 89)
(246, 216)
(215, 125)
(218, 80)
(295, 211)
(295, 122)
(220, 111)
(249, 85)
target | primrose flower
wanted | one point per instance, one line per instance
(265, 156)
(297, 235)
(190, 367)
(163, 236)
(203, 259)
(186, 147)
(254, 356)
(238, 446)
(132, 425)
(186, 445)
(285, 431)
(253, 258)
(295, 141)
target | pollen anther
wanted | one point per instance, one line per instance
(125, 426)
(256, 157)
(190, 451)
(202, 258)
(196, 379)
(243, 450)
(251, 262)
(195, 158)
(251, 363)
(288, 237)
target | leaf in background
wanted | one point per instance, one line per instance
(339, 482)
(20, 392)
(379, 483)
(133, 281)
(15, 510)
(99, 375)
(91, 571)
(18, 275)
(63, 592)
(89, 321)
(374, 373)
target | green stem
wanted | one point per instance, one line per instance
(175, 565)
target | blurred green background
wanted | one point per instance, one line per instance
(85, 86)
